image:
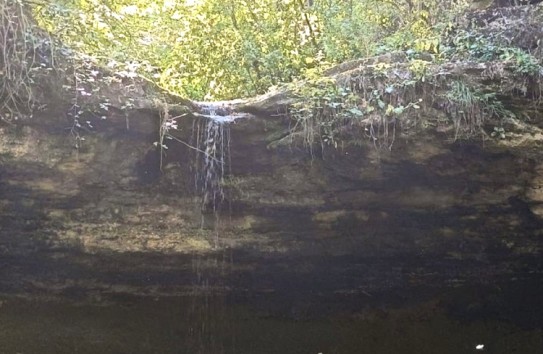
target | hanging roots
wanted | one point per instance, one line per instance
(21, 57)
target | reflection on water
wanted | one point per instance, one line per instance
(453, 322)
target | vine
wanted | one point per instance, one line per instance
(24, 54)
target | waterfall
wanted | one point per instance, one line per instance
(212, 132)
(212, 165)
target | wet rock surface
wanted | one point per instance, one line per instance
(352, 219)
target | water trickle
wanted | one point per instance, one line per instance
(214, 142)
(212, 131)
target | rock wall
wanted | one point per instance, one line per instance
(104, 217)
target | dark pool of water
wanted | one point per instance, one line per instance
(506, 318)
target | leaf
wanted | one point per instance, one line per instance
(389, 110)
(355, 111)
(399, 110)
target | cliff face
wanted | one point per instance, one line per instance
(430, 211)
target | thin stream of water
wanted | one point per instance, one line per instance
(212, 136)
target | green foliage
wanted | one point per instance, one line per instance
(323, 109)
(211, 49)
(201, 49)
(419, 68)
(525, 63)
(470, 108)
(478, 47)
(471, 46)
(371, 107)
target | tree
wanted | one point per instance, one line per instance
(217, 50)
